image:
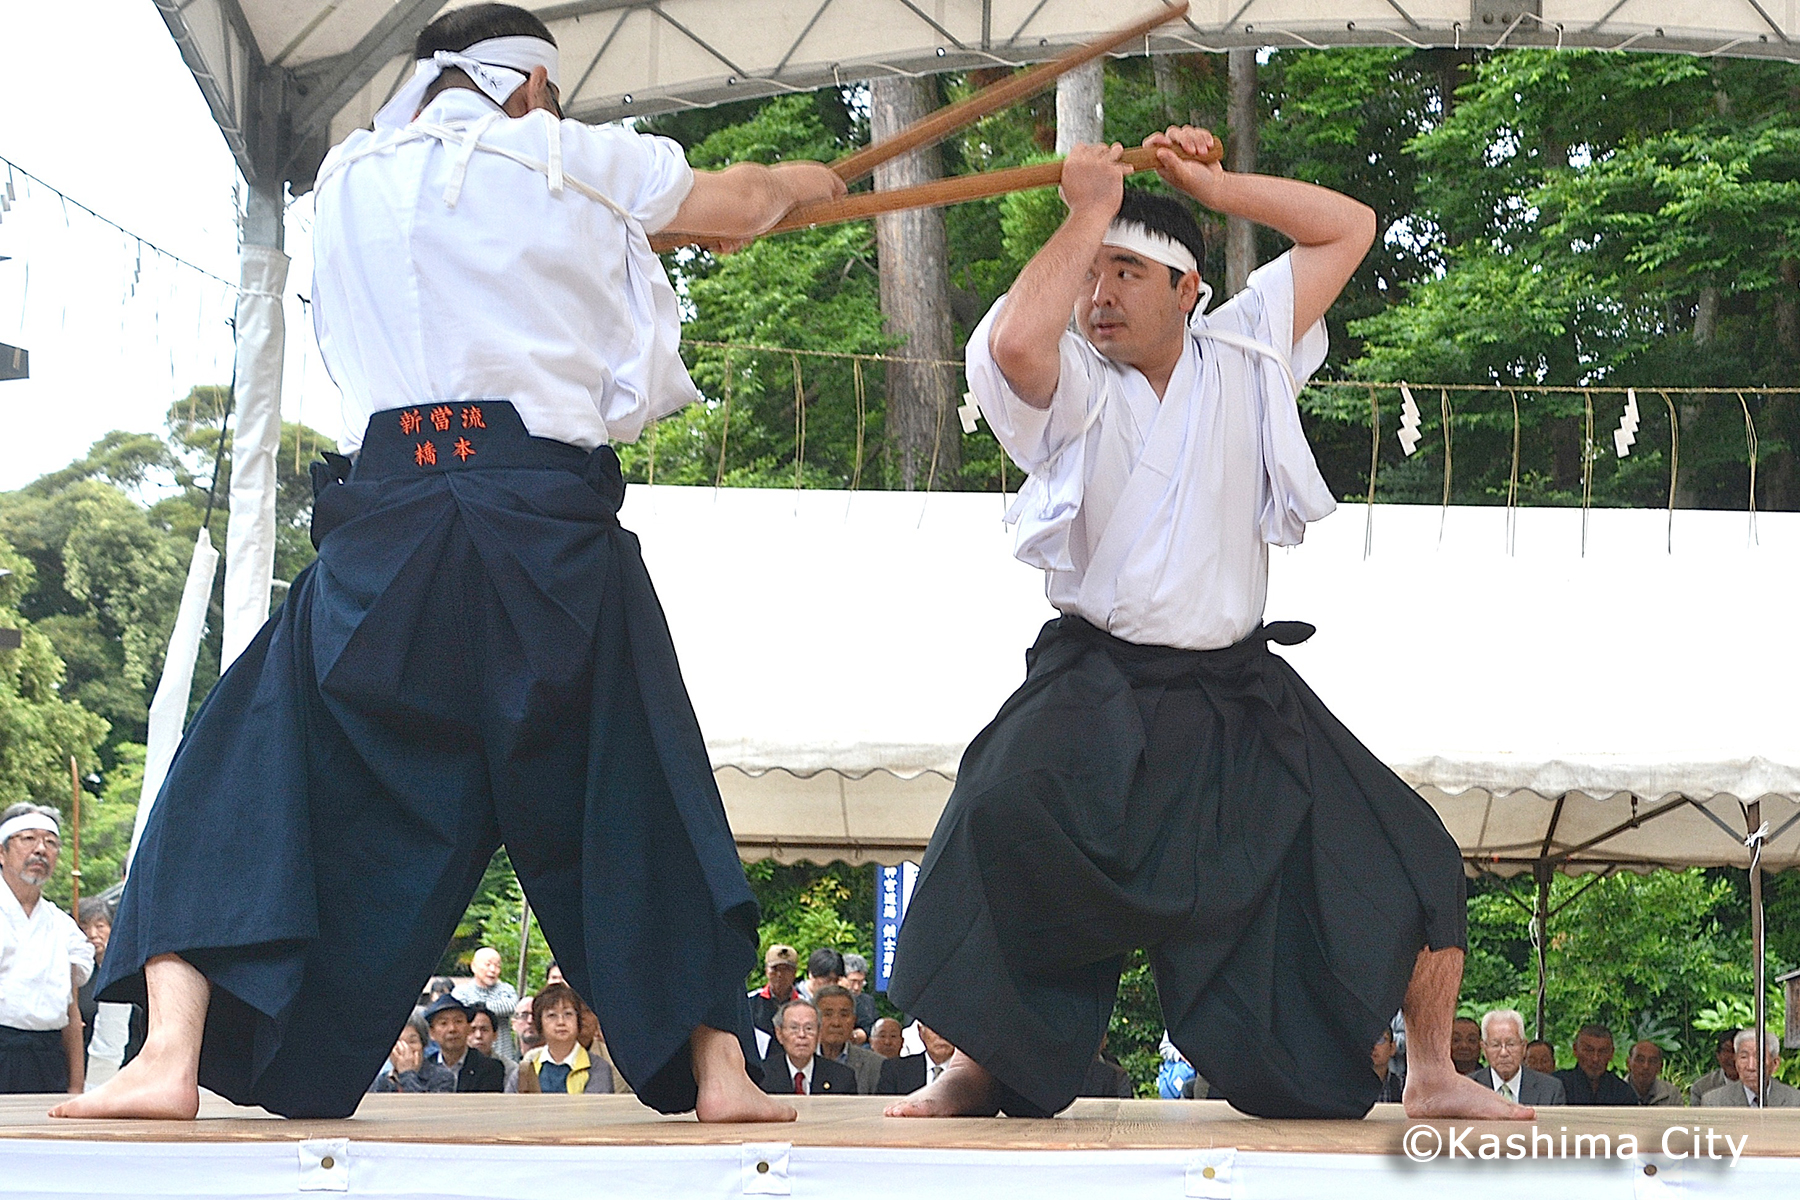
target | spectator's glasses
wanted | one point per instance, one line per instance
(1508, 1044)
(35, 839)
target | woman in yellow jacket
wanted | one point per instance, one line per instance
(562, 1063)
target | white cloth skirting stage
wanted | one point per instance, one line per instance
(440, 1147)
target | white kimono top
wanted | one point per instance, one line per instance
(446, 268)
(1152, 519)
(36, 952)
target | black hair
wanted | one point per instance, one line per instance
(1593, 1031)
(1539, 1042)
(461, 28)
(825, 962)
(1167, 216)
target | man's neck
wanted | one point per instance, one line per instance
(1593, 1077)
(834, 1052)
(1157, 375)
(1642, 1091)
(444, 1056)
(27, 894)
(939, 1061)
(1507, 1078)
(798, 1067)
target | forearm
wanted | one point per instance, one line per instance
(1306, 213)
(1026, 335)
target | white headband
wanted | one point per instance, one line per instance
(24, 821)
(497, 66)
(1157, 247)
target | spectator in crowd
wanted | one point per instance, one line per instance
(1393, 1080)
(1174, 1072)
(448, 1019)
(1540, 1056)
(494, 994)
(113, 1033)
(562, 1064)
(408, 1070)
(482, 1037)
(886, 1039)
(856, 978)
(1725, 1052)
(1106, 1078)
(1589, 1081)
(1741, 1092)
(440, 985)
(780, 965)
(524, 1027)
(837, 1023)
(594, 1040)
(1643, 1071)
(794, 1065)
(1465, 1045)
(824, 968)
(44, 960)
(553, 974)
(1503, 1041)
(910, 1072)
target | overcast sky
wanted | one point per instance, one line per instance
(114, 336)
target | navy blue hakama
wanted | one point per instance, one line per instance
(476, 657)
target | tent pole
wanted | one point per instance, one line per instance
(256, 437)
(1540, 873)
(1753, 818)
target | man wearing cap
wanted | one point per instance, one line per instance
(44, 960)
(477, 657)
(1161, 779)
(781, 965)
(448, 1020)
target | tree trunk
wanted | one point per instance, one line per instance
(915, 298)
(1706, 315)
(1240, 124)
(1080, 105)
(1787, 310)
(1782, 489)
(1162, 72)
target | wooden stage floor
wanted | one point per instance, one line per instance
(493, 1120)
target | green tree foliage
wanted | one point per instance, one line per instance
(1649, 956)
(108, 539)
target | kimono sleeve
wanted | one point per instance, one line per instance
(81, 954)
(648, 176)
(1033, 437)
(1294, 493)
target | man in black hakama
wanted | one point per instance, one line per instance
(1162, 779)
(477, 657)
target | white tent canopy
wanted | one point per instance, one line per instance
(842, 649)
(286, 78)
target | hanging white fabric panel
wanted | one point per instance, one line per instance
(168, 711)
(256, 438)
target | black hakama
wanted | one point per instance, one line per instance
(476, 657)
(1206, 806)
(32, 1060)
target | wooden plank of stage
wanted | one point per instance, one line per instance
(857, 1121)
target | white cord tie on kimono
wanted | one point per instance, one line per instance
(498, 66)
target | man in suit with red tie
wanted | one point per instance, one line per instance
(794, 1066)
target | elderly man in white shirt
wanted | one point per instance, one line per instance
(477, 657)
(1162, 779)
(1503, 1041)
(44, 960)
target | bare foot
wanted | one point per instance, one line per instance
(963, 1089)
(152, 1086)
(1438, 1094)
(726, 1094)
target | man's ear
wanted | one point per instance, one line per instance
(1187, 292)
(534, 93)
